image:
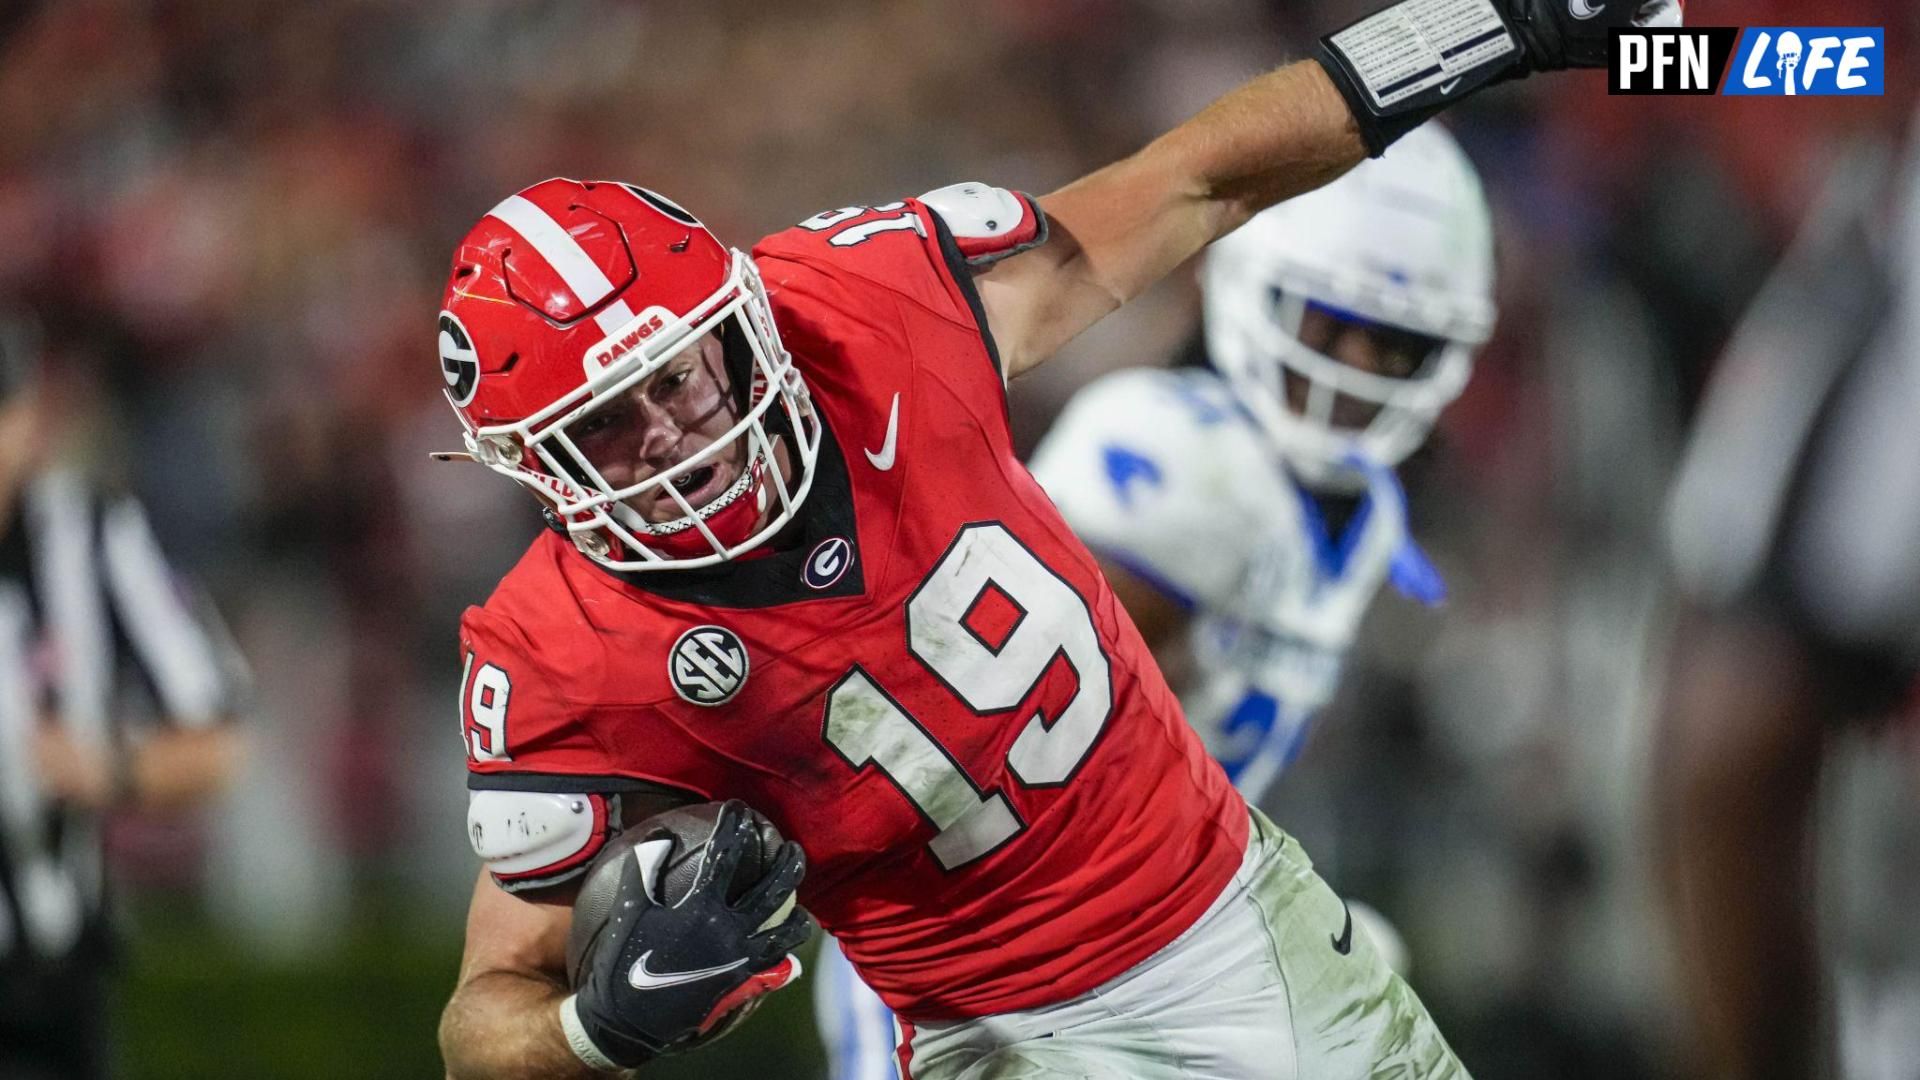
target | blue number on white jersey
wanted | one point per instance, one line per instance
(1161, 473)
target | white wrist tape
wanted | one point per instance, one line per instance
(580, 1041)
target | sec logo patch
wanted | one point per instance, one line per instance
(707, 665)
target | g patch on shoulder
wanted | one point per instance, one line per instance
(989, 223)
(531, 839)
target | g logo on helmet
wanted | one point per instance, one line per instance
(707, 665)
(459, 362)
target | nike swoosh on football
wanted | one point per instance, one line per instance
(643, 979)
(884, 459)
(1581, 9)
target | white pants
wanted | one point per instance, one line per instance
(1255, 990)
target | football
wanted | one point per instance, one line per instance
(689, 827)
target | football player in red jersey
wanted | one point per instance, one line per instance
(793, 561)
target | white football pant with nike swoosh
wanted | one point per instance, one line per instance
(1255, 990)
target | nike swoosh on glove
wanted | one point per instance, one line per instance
(661, 978)
(1400, 66)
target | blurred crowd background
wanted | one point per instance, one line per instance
(233, 219)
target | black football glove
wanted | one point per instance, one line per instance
(1403, 64)
(661, 977)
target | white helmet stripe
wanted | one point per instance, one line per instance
(567, 258)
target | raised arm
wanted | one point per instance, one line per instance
(1119, 230)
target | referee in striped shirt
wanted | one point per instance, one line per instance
(86, 597)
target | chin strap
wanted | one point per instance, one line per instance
(730, 525)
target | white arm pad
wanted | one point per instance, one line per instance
(521, 832)
(977, 211)
(988, 223)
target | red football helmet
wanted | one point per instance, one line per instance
(568, 298)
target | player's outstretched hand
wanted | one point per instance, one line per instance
(1406, 62)
(1558, 34)
(681, 938)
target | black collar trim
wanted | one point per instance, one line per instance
(771, 580)
(962, 275)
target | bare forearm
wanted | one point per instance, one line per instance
(1274, 137)
(172, 768)
(1124, 227)
(184, 765)
(506, 1026)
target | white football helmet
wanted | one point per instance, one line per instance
(1403, 243)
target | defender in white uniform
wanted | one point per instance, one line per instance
(1246, 513)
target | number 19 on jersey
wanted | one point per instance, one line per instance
(867, 727)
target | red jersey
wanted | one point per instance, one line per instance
(931, 688)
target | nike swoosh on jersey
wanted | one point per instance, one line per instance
(884, 459)
(1342, 944)
(643, 979)
(1447, 88)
